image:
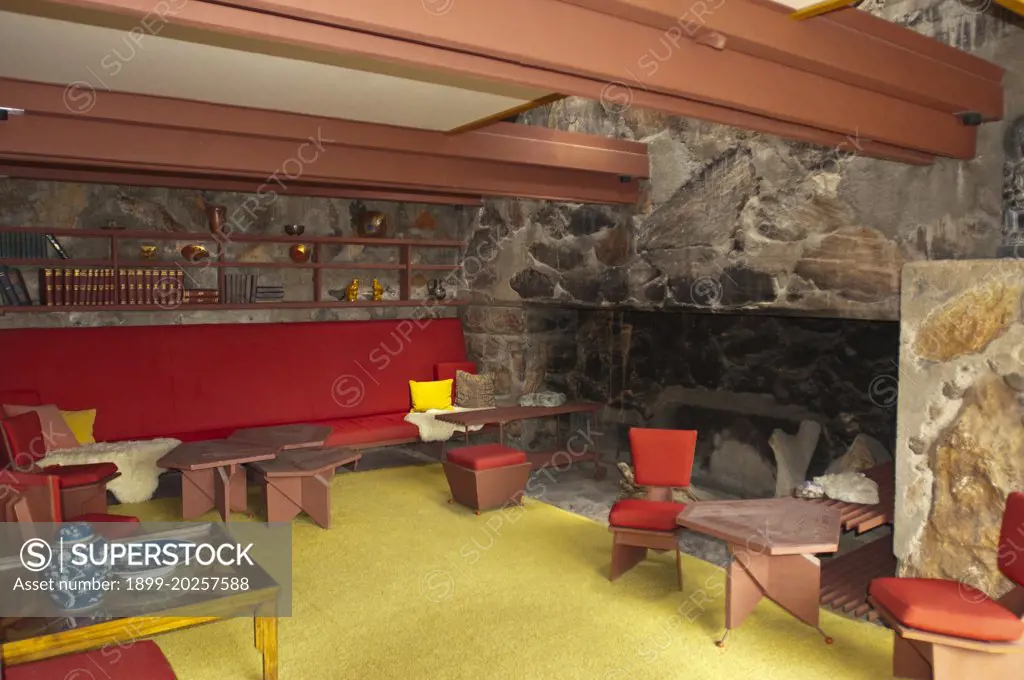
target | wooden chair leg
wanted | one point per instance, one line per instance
(679, 566)
(624, 558)
(908, 662)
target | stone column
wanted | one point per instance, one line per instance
(960, 431)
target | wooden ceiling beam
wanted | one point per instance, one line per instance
(566, 150)
(564, 38)
(827, 48)
(54, 170)
(102, 144)
(277, 29)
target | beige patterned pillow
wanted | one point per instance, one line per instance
(474, 391)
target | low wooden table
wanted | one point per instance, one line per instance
(506, 414)
(212, 474)
(133, 615)
(284, 437)
(299, 481)
(773, 542)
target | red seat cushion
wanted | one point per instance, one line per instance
(636, 513)
(486, 456)
(80, 475)
(946, 608)
(370, 429)
(141, 659)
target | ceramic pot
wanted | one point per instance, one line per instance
(299, 253)
(71, 573)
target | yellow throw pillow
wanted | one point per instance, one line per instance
(81, 424)
(431, 395)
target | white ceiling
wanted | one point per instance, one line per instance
(51, 50)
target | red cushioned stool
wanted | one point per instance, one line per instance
(131, 661)
(486, 476)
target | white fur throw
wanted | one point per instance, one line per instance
(136, 461)
(434, 430)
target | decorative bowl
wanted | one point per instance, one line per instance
(194, 252)
(73, 573)
(299, 253)
(148, 252)
(294, 229)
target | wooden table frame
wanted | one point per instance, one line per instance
(502, 415)
(769, 563)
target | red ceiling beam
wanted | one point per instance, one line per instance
(70, 140)
(763, 29)
(553, 35)
(282, 30)
(504, 141)
(54, 170)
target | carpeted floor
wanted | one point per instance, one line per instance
(406, 586)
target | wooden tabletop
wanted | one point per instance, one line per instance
(507, 414)
(307, 463)
(773, 526)
(284, 437)
(215, 453)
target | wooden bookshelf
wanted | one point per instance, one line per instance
(219, 260)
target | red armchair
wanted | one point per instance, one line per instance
(662, 460)
(83, 488)
(948, 629)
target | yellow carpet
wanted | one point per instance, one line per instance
(406, 586)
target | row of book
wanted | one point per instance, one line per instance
(22, 246)
(244, 289)
(94, 286)
(13, 291)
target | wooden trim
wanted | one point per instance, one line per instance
(828, 49)
(502, 115)
(103, 145)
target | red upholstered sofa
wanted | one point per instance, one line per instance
(196, 382)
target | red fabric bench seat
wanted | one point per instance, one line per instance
(947, 608)
(142, 659)
(486, 456)
(369, 429)
(80, 475)
(636, 513)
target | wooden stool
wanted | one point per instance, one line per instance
(486, 476)
(300, 481)
(140, 659)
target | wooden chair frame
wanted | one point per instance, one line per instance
(630, 546)
(920, 655)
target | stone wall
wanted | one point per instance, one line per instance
(734, 220)
(88, 206)
(961, 417)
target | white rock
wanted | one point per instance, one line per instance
(793, 454)
(849, 487)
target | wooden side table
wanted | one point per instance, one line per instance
(773, 542)
(212, 474)
(300, 481)
(284, 437)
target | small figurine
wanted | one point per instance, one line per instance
(352, 292)
(435, 289)
(378, 290)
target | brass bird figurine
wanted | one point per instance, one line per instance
(378, 290)
(352, 292)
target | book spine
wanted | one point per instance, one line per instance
(46, 287)
(57, 247)
(122, 286)
(58, 287)
(7, 296)
(20, 289)
(75, 296)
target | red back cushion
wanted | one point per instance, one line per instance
(151, 381)
(23, 440)
(662, 457)
(1011, 539)
(447, 370)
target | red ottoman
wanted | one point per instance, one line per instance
(486, 476)
(133, 660)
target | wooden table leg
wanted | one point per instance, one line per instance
(791, 581)
(283, 498)
(230, 491)
(197, 494)
(265, 634)
(316, 499)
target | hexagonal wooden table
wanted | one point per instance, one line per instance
(299, 481)
(773, 542)
(284, 437)
(212, 474)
